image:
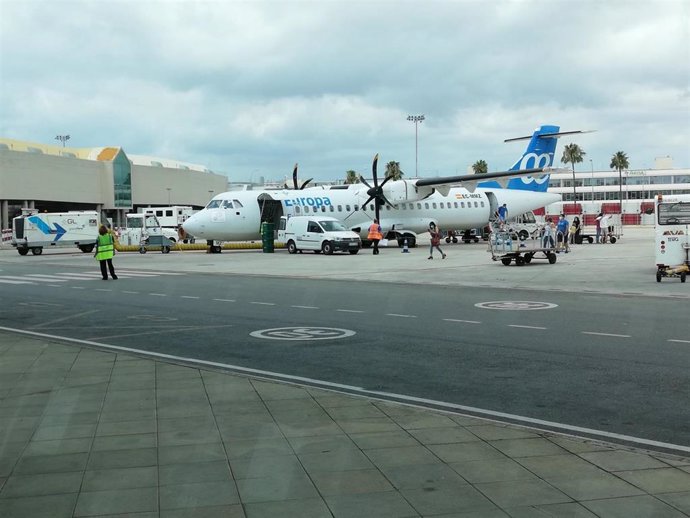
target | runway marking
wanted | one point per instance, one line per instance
(399, 315)
(384, 396)
(350, 310)
(150, 272)
(224, 300)
(462, 321)
(158, 294)
(102, 289)
(32, 278)
(69, 317)
(264, 303)
(189, 297)
(77, 287)
(604, 334)
(527, 327)
(680, 341)
(305, 307)
(131, 292)
(9, 281)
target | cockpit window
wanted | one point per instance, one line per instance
(227, 204)
(213, 204)
(237, 203)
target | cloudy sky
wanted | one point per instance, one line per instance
(250, 88)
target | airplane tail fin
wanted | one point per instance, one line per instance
(540, 152)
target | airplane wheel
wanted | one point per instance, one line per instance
(327, 248)
(292, 248)
(23, 251)
(37, 250)
(658, 276)
(506, 261)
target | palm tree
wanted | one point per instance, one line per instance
(393, 169)
(351, 177)
(572, 154)
(619, 161)
(480, 167)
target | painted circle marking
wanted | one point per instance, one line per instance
(515, 305)
(302, 333)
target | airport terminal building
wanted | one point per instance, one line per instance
(55, 178)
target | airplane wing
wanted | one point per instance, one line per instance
(470, 181)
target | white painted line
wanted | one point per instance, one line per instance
(10, 281)
(102, 289)
(78, 276)
(604, 334)
(132, 292)
(158, 294)
(369, 393)
(188, 297)
(305, 307)
(263, 303)
(33, 278)
(150, 272)
(224, 300)
(350, 310)
(54, 285)
(462, 321)
(679, 341)
(401, 316)
(77, 287)
(526, 327)
(69, 317)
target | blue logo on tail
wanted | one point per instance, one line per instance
(540, 152)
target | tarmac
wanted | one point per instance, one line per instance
(90, 432)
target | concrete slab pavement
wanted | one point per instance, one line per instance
(85, 432)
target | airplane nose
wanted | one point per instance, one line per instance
(193, 226)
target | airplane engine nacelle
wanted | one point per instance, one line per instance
(402, 191)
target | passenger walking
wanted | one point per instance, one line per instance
(105, 250)
(549, 231)
(435, 234)
(598, 225)
(574, 230)
(604, 224)
(562, 230)
(375, 235)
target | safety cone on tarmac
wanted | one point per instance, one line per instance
(405, 250)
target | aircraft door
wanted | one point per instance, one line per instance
(493, 205)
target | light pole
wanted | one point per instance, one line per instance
(416, 119)
(620, 195)
(168, 189)
(62, 138)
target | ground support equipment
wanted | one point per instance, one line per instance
(507, 248)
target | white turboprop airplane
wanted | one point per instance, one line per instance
(404, 208)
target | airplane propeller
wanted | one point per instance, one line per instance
(376, 192)
(294, 180)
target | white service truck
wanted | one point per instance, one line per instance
(144, 230)
(34, 231)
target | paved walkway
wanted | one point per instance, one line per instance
(91, 433)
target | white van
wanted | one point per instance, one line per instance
(317, 233)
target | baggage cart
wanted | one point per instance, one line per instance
(507, 247)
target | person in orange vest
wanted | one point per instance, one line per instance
(375, 235)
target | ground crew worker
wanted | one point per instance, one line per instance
(105, 250)
(375, 235)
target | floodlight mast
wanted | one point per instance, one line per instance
(416, 119)
(62, 138)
